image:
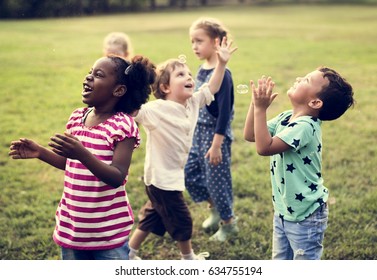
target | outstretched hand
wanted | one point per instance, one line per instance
(262, 95)
(224, 50)
(24, 149)
(67, 145)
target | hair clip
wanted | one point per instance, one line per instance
(182, 58)
(128, 69)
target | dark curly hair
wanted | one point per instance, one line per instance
(337, 97)
(137, 75)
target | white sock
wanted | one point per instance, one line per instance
(133, 253)
(189, 256)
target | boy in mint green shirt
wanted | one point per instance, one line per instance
(297, 184)
(293, 140)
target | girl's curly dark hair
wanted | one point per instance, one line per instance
(137, 75)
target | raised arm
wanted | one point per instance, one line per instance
(266, 145)
(224, 52)
(248, 130)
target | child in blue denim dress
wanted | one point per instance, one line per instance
(293, 140)
(208, 169)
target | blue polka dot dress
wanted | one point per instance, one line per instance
(203, 180)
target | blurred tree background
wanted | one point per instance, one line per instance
(67, 8)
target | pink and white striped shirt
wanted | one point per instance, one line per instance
(92, 215)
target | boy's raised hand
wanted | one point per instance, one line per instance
(224, 50)
(262, 95)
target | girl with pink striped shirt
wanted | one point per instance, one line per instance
(94, 217)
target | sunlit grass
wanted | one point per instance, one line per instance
(43, 65)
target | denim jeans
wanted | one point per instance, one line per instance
(120, 253)
(300, 240)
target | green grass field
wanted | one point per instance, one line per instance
(43, 65)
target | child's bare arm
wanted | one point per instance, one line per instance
(114, 174)
(214, 153)
(27, 149)
(248, 130)
(266, 145)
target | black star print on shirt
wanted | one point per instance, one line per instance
(320, 201)
(296, 142)
(307, 160)
(285, 122)
(290, 210)
(319, 148)
(300, 197)
(292, 124)
(272, 167)
(290, 168)
(313, 187)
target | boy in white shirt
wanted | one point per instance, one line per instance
(169, 123)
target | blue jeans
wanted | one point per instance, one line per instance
(120, 253)
(300, 240)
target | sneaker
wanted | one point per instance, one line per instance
(212, 222)
(201, 256)
(193, 256)
(134, 258)
(225, 231)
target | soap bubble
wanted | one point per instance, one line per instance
(242, 89)
(182, 58)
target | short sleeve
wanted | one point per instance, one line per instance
(75, 119)
(297, 134)
(273, 123)
(124, 126)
